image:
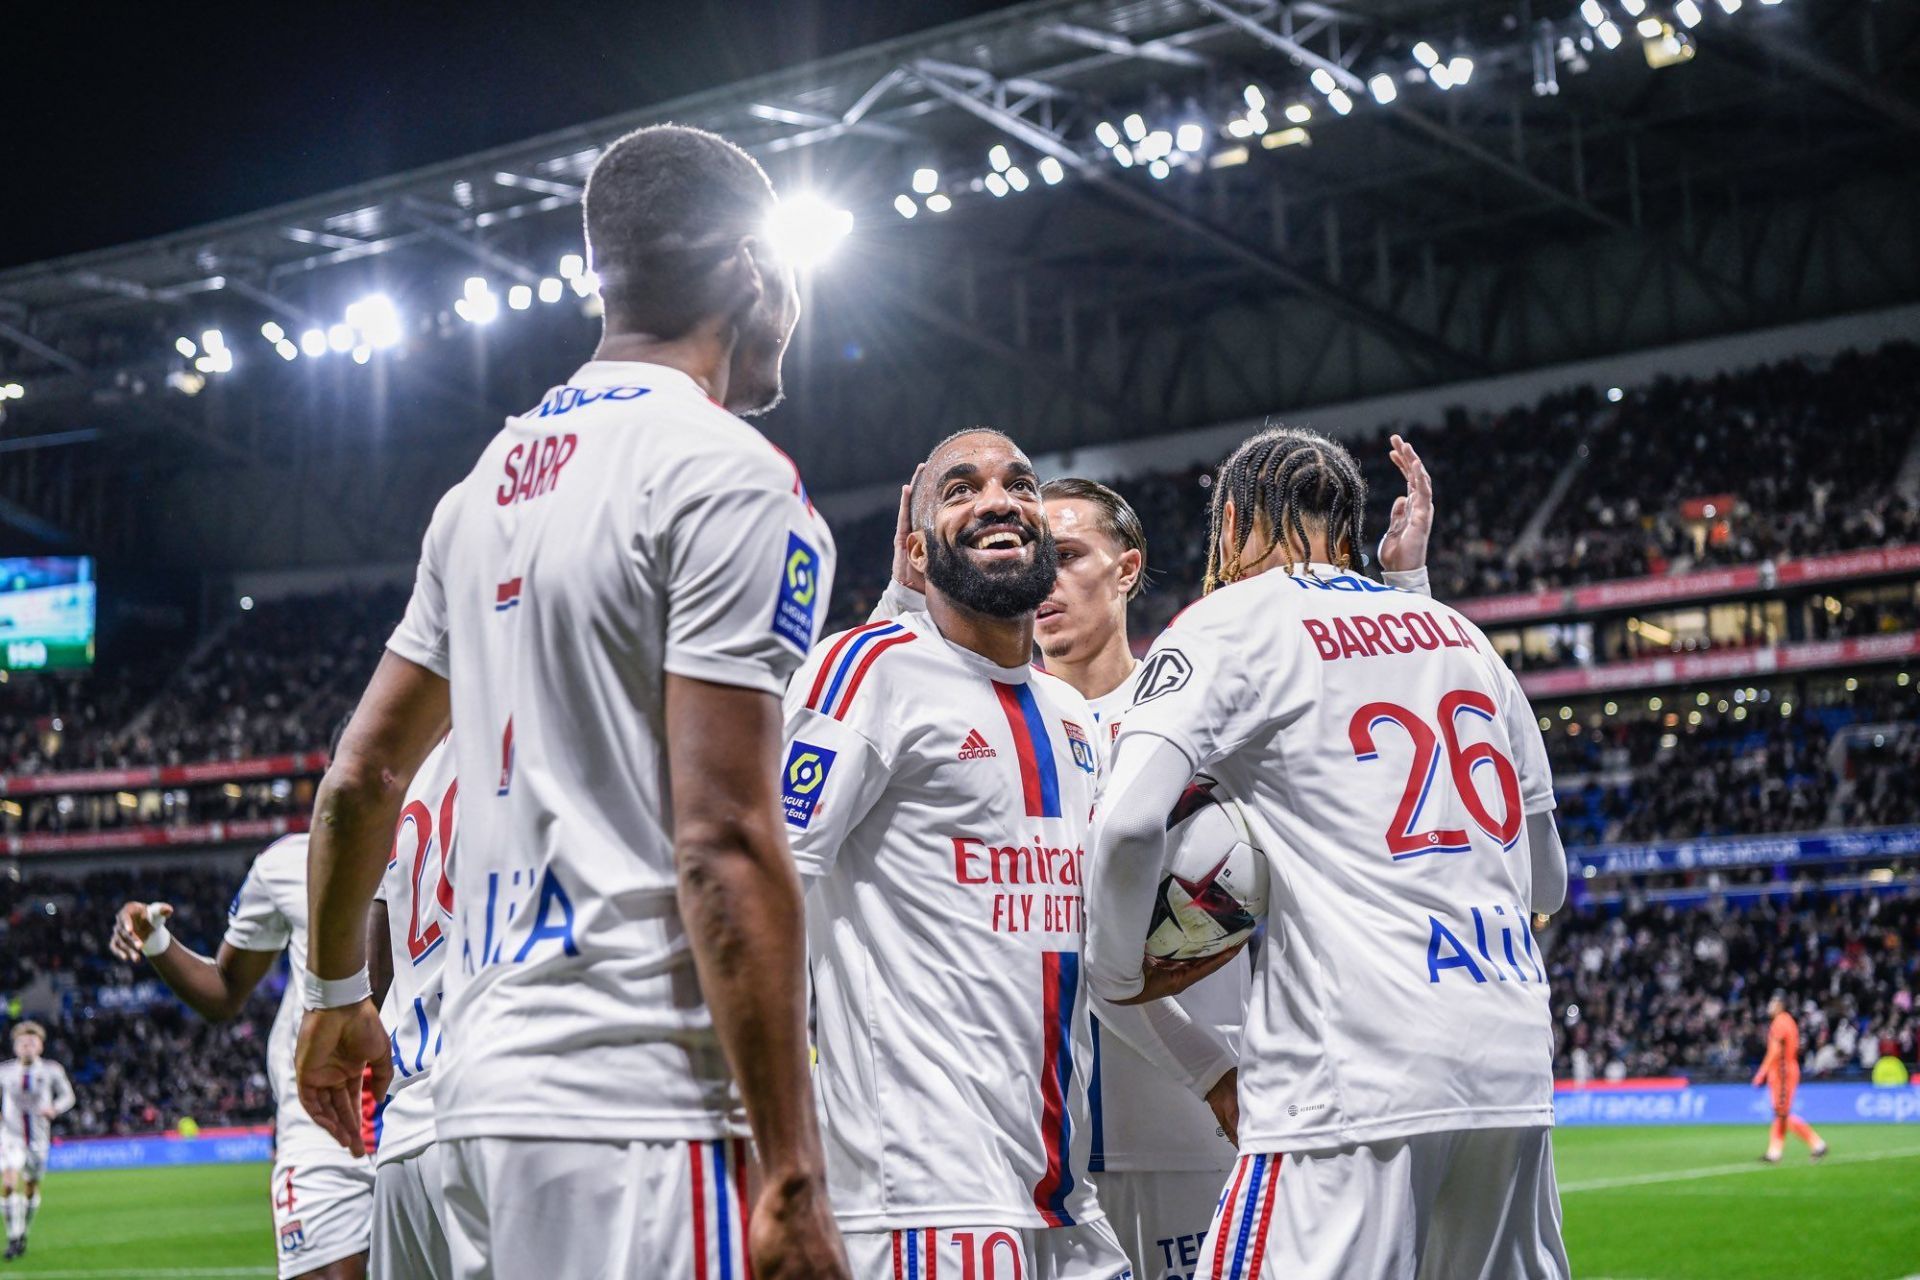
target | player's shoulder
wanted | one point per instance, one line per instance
(282, 863)
(1069, 700)
(856, 667)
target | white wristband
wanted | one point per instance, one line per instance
(333, 993)
(157, 941)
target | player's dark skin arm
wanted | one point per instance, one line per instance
(741, 899)
(216, 988)
(401, 716)
(379, 952)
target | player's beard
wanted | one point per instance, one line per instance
(1005, 592)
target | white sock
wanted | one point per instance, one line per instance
(16, 1216)
(33, 1207)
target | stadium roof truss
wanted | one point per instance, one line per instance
(1570, 201)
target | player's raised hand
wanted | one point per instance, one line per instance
(903, 571)
(337, 1048)
(133, 924)
(1404, 545)
(792, 1235)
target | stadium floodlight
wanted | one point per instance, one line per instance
(340, 337)
(1323, 80)
(213, 340)
(286, 350)
(571, 265)
(520, 297)
(997, 185)
(313, 343)
(220, 361)
(939, 202)
(1255, 100)
(1339, 101)
(1688, 12)
(1460, 69)
(185, 347)
(1191, 137)
(1017, 178)
(377, 320)
(905, 206)
(12, 391)
(587, 283)
(1593, 11)
(273, 332)
(1294, 137)
(1299, 113)
(807, 229)
(1440, 77)
(1731, 6)
(1383, 89)
(186, 383)
(925, 180)
(362, 353)
(476, 287)
(1650, 28)
(1615, 395)
(1135, 126)
(1257, 121)
(1610, 34)
(551, 287)
(482, 309)
(1052, 171)
(1634, 8)
(1425, 54)
(1123, 156)
(1239, 128)
(1154, 145)
(999, 158)
(1107, 134)
(1159, 169)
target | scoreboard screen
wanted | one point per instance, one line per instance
(46, 613)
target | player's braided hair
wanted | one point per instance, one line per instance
(1297, 480)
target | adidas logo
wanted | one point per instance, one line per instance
(976, 747)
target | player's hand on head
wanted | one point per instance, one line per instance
(1404, 545)
(337, 1048)
(792, 1234)
(133, 924)
(903, 571)
(1163, 978)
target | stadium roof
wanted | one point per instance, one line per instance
(1589, 187)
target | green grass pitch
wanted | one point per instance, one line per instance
(1641, 1204)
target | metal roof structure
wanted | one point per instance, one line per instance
(1570, 199)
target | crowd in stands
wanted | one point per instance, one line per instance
(1659, 989)
(140, 1061)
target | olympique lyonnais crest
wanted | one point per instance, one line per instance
(1082, 749)
(293, 1237)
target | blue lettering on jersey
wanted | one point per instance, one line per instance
(793, 607)
(800, 783)
(1340, 582)
(566, 399)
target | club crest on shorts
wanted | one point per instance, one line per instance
(799, 591)
(800, 782)
(1082, 749)
(293, 1237)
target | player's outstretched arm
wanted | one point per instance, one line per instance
(402, 715)
(216, 988)
(1403, 548)
(740, 897)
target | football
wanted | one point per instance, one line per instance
(1214, 892)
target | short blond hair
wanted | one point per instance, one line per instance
(29, 1028)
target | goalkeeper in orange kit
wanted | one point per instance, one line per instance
(1781, 1071)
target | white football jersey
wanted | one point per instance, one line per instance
(624, 529)
(25, 1093)
(269, 913)
(1145, 1121)
(1388, 759)
(418, 892)
(941, 803)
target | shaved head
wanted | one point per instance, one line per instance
(958, 449)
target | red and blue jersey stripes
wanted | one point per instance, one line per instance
(1039, 775)
(914, 1257)
(718, 1175)
(847, 664)
(1244, 1217)
(1060, 989)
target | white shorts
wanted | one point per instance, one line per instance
(26, 1160)
(322, 1210)
(532, 1207)
(1475, 1204)
(409, 1210)
(1088, 1251)
(1161, 1218)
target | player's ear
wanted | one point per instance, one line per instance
(1132, 565)
(1229, 520)
(917, 550)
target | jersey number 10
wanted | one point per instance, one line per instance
(1403, 841)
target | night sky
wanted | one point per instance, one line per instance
(119, 122)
